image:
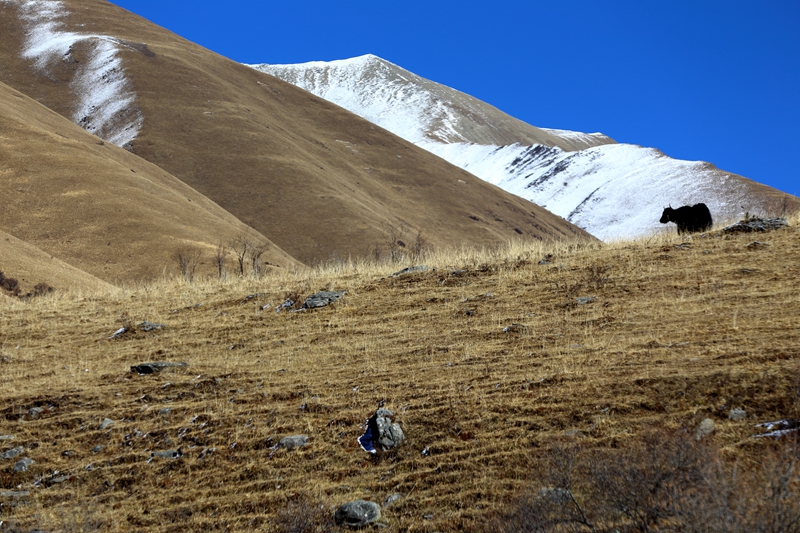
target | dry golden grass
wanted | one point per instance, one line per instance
(680, 329)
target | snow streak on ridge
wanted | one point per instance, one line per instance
(105, 103)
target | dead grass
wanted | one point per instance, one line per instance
(487, 359)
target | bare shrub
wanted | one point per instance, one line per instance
(10, 284)
(254, 253)
(187, 259)
(302, 515)
(220, 260)
(40, 289)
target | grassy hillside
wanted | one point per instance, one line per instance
(488, 360)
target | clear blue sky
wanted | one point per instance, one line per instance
(716, 81)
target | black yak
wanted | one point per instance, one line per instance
(689, 219)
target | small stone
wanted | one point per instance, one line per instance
(13, 452)
(358, 513)
(410, 270)
(705, 429)
(22, 465)
(68, 453)
(106, 423)
(392, 498)
(581, 300)
(150, 326)
(97, 449)
(152, 368)
(14, 494)
(34, 412)
(165, 411)
(736, 414)
(167, 454)
(6, 437)
(293, 442)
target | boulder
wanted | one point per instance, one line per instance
(321, 299)
(22, 465)
(358, 513)
(705, 429)
(381, 432)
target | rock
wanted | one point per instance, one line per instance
(392, 498)
(737, 414)
(381, 432)
(358, 513)
(22, 465)
(167, 454)
(97, 449)
(150, 326)
(410, 270)
(14, 494)
(164, 411)
(6, 437)
(13, 452)
(779, 428)
(756, 224)
(34, 412)
(321, 299)
(581, 300)
(106, 423)
(152, 368)
(705, 429)
(293, 442)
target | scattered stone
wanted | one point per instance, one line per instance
(321, 299)
(392, 498)
(167, 454)
(755, 245)
(778, 428)
(381, 432)
(288, 304)
(97, 449)
(34, 412)
(705, 429)
(6, 437)
(106, 423)
(737, 413)
(358, 513)
(756, 224)
(410, 270)
(13, 452)
(165, 411)
(119, 333)
(14, 494)
(150, 326)
(515, 328)
(22, 465)
(581, 300)
(152, 368)
(68, 453)
(293, 442)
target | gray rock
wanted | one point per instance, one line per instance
(97, 449)
(14, 494)
(13, 452)
(410, 270)
(150, 326)
(167, 454)
(756, 224)
(584, 300)
(737, 413)
(293, 442)
(390, 434)
(321, 299)
(106, 423)
(392, 498)
(705, 429)
(358, 513)
(164, 411)
(34, 412)
(22, 465)
(6, 437)
(152, 368)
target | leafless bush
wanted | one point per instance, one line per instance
(220, 260)
(187, 259)
(240, 245)
(302, 515)
(254, 253)
(668, 482)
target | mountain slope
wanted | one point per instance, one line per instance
(95, 206)
(314, 178)
(610, 190)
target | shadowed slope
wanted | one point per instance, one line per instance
(96, 206)
(312, 177)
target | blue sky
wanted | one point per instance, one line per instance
(716, 81)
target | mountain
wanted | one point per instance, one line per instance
(95, 206)
(608, 189)
(314, 179)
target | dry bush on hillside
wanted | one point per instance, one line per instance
(303, 515)
(666, 482)
(187, 259)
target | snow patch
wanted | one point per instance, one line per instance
(105, 103)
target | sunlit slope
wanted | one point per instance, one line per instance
(314, 178)
(95, 206)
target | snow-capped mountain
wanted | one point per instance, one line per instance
(609, 189)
